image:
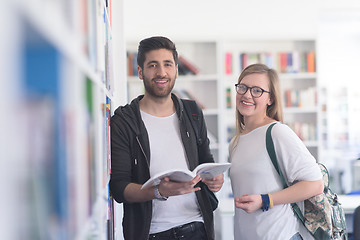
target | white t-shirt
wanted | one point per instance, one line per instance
(252, 172)
(167, 152)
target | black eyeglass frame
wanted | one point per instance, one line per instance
(247, 88)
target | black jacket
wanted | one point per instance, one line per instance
(130, 156)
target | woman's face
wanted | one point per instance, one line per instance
(250, 106)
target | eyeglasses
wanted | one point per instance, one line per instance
(256, 92)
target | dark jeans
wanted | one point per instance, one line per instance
(189, 231)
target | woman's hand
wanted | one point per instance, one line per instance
(248, 203)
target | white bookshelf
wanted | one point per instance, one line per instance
(297, 82)
(55, 142)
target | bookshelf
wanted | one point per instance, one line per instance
(55, 143)
(294, 60)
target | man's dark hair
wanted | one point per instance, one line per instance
(155, 43)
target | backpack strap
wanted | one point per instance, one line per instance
(271, 151)
(193, 112)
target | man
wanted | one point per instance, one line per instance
(153, 134)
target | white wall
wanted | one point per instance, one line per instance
(225, 19)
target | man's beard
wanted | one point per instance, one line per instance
(157, 92)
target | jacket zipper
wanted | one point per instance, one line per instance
(142, 150)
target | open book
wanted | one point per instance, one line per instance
(205, 170)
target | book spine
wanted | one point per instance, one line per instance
(311, 62)
(228, 98)
(269, 60)
(296, 61)
(130, 57)
(193, 69)
(303, 62)
(244, 61)
(228, 63)
(283, 62)
(134, 65)
(289, 65)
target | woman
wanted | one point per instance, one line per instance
(253, 176)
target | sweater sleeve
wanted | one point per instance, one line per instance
(120, 175)
(295, 160)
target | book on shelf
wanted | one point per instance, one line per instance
(132, 64)
(183, 70)
(247, 59)
(289, 65)
(295, 61)
(109, 75)
(242, 61)
(305, 98)
(305, 131)
(310, 61)
(270, 62)
(106, 160)
(187, 66)
(186, 94)
(253, 58)
(283, 62)
(303, 62)
(267, 59)
(205, 170)
(228, 63)
(228, 98)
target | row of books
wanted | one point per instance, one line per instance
(106, 169)
(283, 62)
(62, 135)
(104, 50)
(305, 131)
(96, 18)
(185, 66)
(300, 98)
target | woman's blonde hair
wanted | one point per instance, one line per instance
(274, 110)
